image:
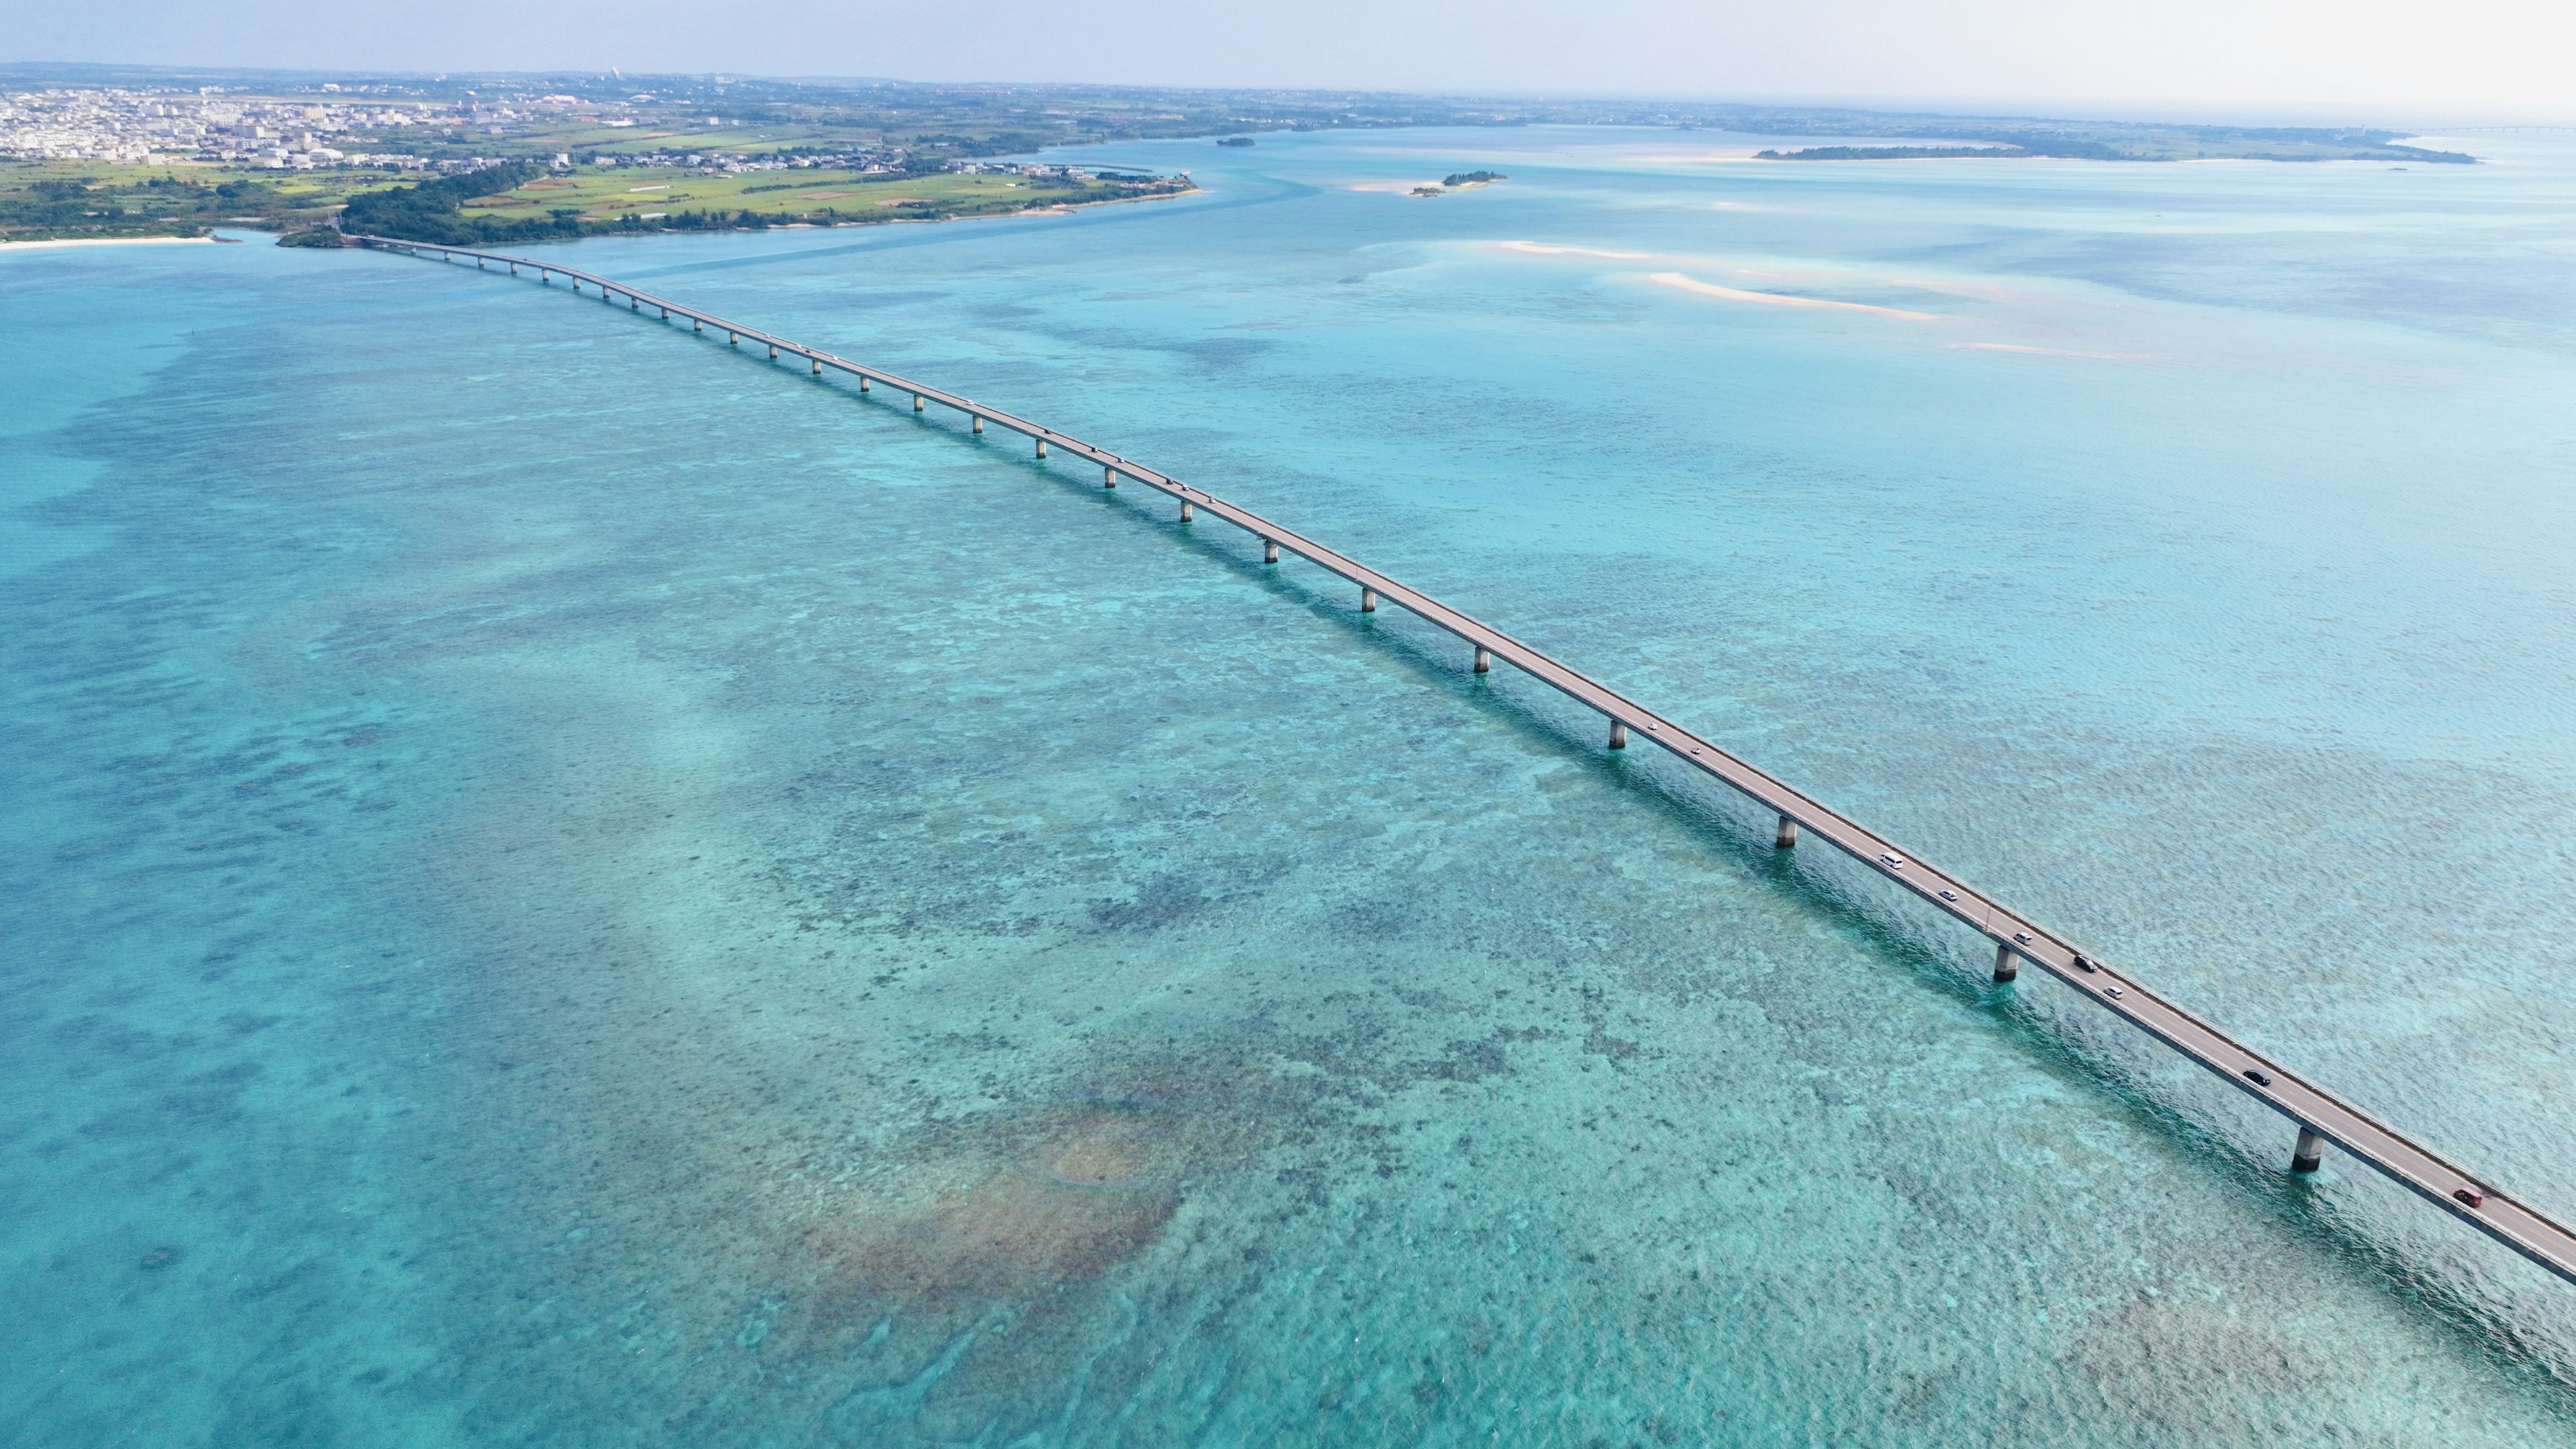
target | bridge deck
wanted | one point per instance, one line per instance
(2439, 1181)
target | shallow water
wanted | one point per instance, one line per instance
(566, 887)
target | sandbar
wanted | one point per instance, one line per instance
(1778, 299)
(1544, 250)
(2053, 351)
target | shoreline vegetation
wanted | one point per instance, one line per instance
(169, 152)
(525, 202)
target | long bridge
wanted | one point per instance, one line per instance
(2319, 1116)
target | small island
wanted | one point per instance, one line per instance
(1460, 181)
(1236, 141)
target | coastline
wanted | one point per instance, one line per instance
(103, 241)
(1061, 208)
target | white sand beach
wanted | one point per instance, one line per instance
(98, 241)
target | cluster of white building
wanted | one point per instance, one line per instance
(111, 124)
(344, 129)
(871, 162)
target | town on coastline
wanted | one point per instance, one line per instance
(134, 160)
(110, 152)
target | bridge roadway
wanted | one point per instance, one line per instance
(2317, 1112)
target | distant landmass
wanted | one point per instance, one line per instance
(2094, 140)
(1886, 153)
(119, 151)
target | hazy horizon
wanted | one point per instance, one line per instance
(2201, 59)
(2136, 109)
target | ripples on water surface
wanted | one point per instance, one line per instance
(565, 887)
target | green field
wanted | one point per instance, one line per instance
(44, 200)
(610, 194)
(47, 200)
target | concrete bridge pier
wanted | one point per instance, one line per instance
(478, 265)
(1108, 477)
(979, 422)
(1185, 510)
(863, 382)
(666, 314)
(514, 269)
(697, 324)
(818, 364)
(2515, 1224)
(633, 304)
(916, 402)
(1618, 734)
(1368, 600)
(773, 352)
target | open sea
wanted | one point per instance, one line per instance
(564, 885)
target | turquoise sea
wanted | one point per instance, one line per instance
(566, 886)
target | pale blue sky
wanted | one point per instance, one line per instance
(2415, 61)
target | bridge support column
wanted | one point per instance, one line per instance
(1041, 447)
(818, 366)
(979, 422)
(2007, 965)
(1185, 510)
(478, 265)
(1787, 838)
(1269, 551)
(514, 269)
(916, 402)
(1368, 601)
(1618, 734)
(773, 352)
(666, 314)
(633, 304)
(733, 339)
(546, 277)
(863, 382)
(697, 324)
(1484, 660)
(2310, 1148)
(1108, 477)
